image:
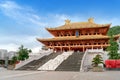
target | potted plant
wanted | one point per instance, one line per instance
(96, 61)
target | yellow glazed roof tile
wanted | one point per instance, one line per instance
(78, 25)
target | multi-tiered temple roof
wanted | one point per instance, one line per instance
(79, 25)
(78, 36)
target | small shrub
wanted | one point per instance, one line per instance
(97, 60)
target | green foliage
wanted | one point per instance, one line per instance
(14, 60)
(1, 62)
(23, 53)
(115, 30)
(97, 60)
(113, 48)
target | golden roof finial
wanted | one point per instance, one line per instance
(91, 20)
(67, 21)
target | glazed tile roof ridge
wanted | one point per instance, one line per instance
(78, 25)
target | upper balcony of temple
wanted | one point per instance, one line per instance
(83, 28)
(79, 25)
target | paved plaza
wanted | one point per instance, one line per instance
(55, 75)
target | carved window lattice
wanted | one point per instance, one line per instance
(76, 33)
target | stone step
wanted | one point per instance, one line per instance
(35, 64)
(72, 63)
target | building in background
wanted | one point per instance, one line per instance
(4, 53)
(11, 54)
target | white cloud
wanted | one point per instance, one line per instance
(21, 14)
(27, 16)
(14, 47)
(9, 47)
(13, 43)
(36, 49)
(10, 5)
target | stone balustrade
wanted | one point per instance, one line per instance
(54, 63)
(84, 60)
(33, 57)
(88, 57)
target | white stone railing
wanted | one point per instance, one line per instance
(88, 56)
(83, 61)
(54, 63)
(95, 50)
(105, 56)
(33, 57)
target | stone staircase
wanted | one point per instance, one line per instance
(54, 63)
(35, 64)
(72, 63)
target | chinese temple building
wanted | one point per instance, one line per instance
(78, 36)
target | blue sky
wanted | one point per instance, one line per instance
(22, 21)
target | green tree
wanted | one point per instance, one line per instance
(97, 60)
(113, 48)
(115, 29)
(14, 60)
(1, 62)
(23, 53)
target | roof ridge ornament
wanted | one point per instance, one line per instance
(67, 21)
(91, 20)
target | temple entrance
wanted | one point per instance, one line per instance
(66, 49)
(76, 49)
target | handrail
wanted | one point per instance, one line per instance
(34, 57)
(52, 64)
(82, 61)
